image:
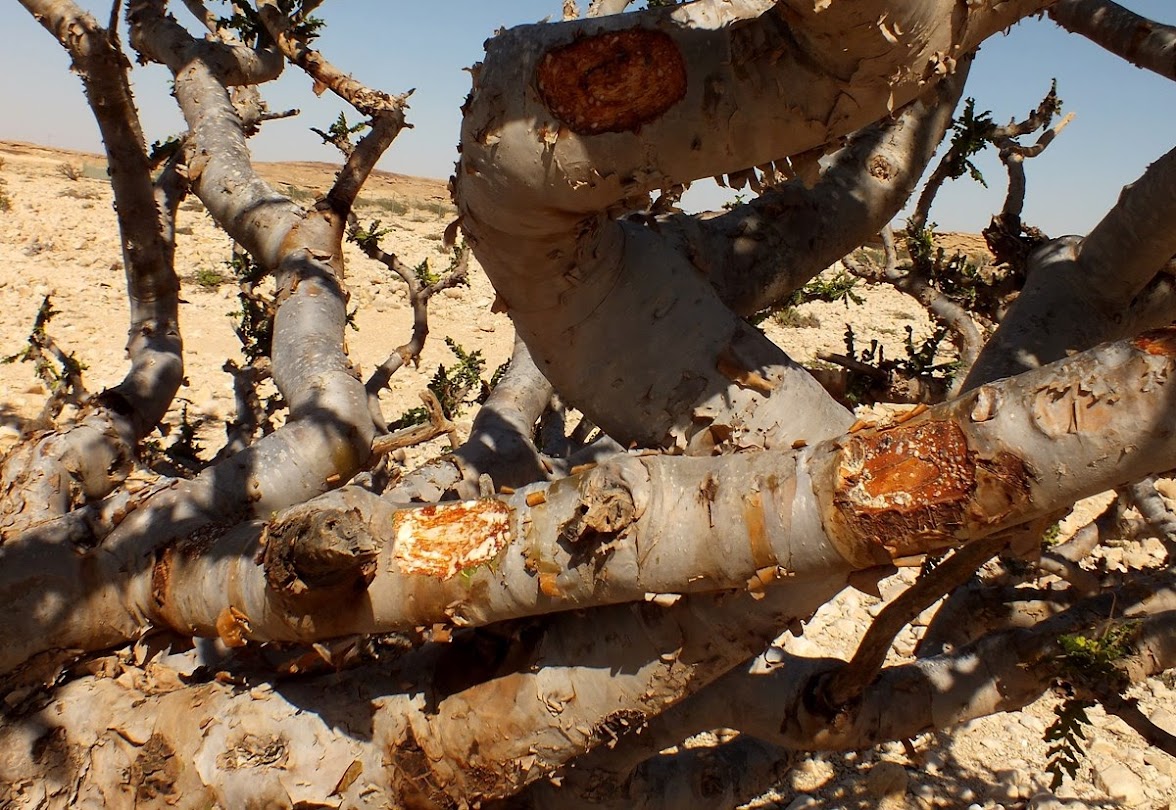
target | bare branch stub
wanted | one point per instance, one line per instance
(612, 82)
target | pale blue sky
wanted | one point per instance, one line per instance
(1125, 116)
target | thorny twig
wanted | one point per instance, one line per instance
(385, 111)
(59, 370)
(252, 415)
(915, 281)
(418, 298)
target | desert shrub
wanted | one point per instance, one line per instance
(70, 171)
(209, 278)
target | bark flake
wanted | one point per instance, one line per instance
(254, 751)
(618, 724)
(155, 771)
(233, 627)
(612, 82)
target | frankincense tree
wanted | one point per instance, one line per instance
(534, 616)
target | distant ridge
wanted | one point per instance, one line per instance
(305, 174)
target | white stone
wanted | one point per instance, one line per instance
(1032, 723)
(887, 779)
(1120, 782)
(1161, 761)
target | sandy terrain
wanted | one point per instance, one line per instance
(58, 237)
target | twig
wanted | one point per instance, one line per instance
(438, 425)
(915, 281)
(385, 111)
(1127, 709)
(1160, 520)
(251, 415)
(203, 15)
(847, 684)
(1081, 580)
(853, 364)
(418, 298)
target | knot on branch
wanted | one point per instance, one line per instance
(319, 554)
(607, 507)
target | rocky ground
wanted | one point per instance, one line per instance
(58, 237)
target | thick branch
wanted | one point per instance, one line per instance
(219, 165)
(1140, 41)
(537, 210)
(1001, 672)
(760, 252)
(1079, 290)
(634, 526)
(89, 460)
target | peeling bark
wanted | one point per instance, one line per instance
(1142, 42)
(72, 467)
(1080, 290)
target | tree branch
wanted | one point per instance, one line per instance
(604, 536)
(1142, 42)
(94, 455)
(1079, 289)
(846, 685)
(759, 253)
(538, 210)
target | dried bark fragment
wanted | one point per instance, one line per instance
(155, 773)
(730, 367)
(233, 627)
(254, 751)
(742, 362)
(612, 82)
(442, 540)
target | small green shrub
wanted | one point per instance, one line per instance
(209, 278)
(455, 387)
(389, 204)
(792, 318)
